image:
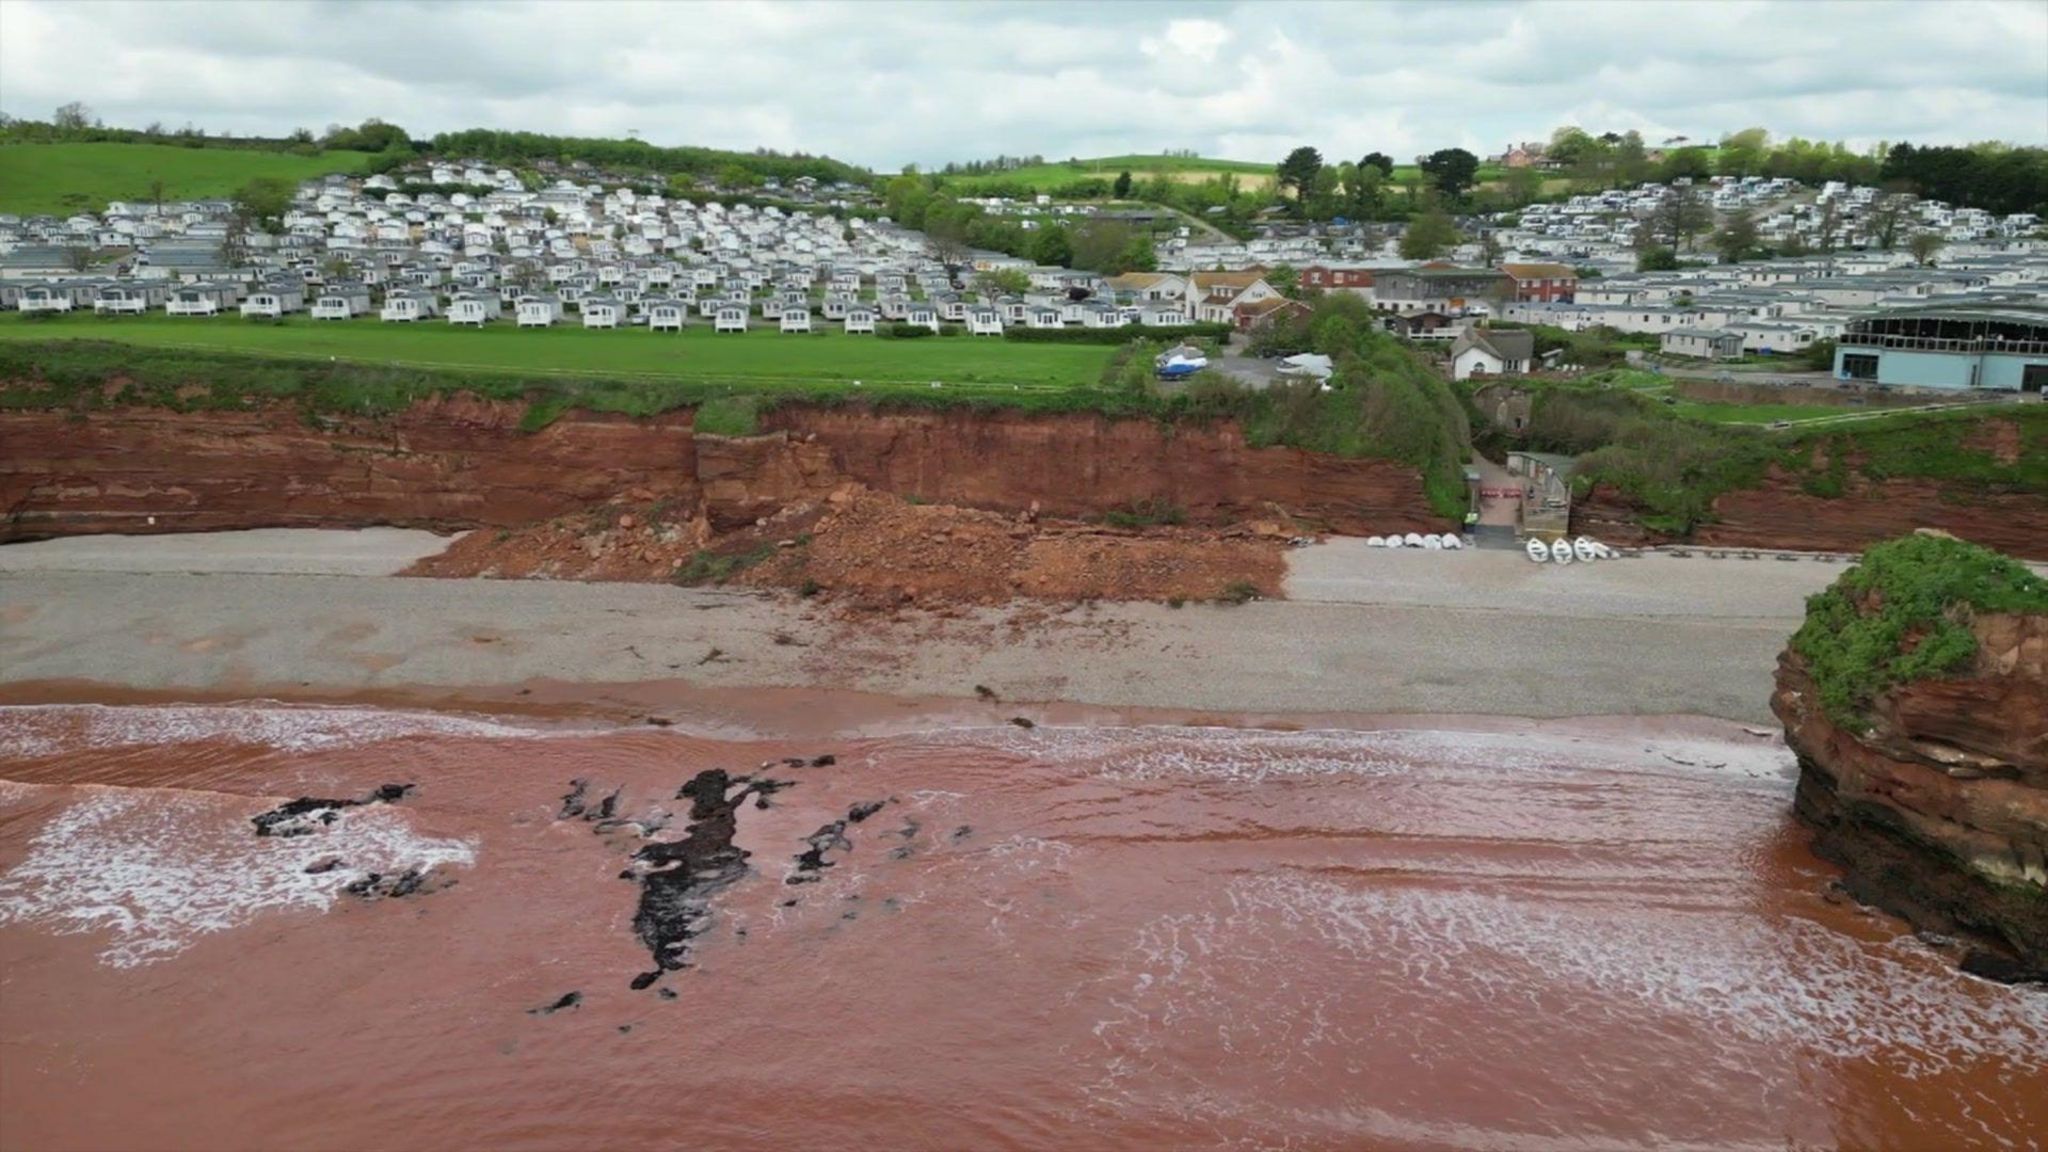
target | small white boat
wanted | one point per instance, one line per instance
(1452, 542)
(1586, 548)
(1561, 551)
(1375, 541)
(1433, 542)
(1394, 542)
(1412, 540)
(1537, 550)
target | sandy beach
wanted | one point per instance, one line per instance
(1363, 631)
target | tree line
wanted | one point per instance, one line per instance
(1098, 244)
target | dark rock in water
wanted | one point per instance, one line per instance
(565, 1001)
(789, 903)
(605, 807)
(910, 828)
(1022, 722)
(764, 788)
(963, 832)
(572, 800)
(667, 993)
(325, 864)
(372, 885)
(794, 762)
(903, 852)
(625, 1028)
(308, 814)
(825, 761)
(811, 861)
(860, 812)
(660, 721)
(679, 878)
(2002, 968)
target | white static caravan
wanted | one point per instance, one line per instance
(730, 318)
(667, 316)
(603, 312)
(121, 300)
(43, 298)
(796, 320)
(925, 315)
(474, 309)
(538, 311)
(192, 302)
(341, 302)
(267, 302)
(984, 322)
(860, 320)
(407, 308)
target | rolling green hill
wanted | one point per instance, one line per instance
(65, 178)
(1056, 178)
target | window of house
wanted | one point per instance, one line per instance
(1859, 366)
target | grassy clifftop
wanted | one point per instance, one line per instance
(59, 179)
(1903, 614)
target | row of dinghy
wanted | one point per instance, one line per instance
(1564, 551)
(1416, 540)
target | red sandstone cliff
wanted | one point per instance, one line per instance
(460, 462)
(1778, 514)
(1939, 810)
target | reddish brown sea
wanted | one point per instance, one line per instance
(1054, 938)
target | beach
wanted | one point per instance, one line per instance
(1363, 631)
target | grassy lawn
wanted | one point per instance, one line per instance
(759, 357)
(1758, 413)
(63, 178)
(1056, 177)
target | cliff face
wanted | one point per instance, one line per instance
(460, 462)
(1938, 812)
(1778, 514)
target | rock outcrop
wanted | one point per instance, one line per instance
(458, 462)
(1934, 798)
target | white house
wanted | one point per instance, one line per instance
(985, 322)
(860, 320)
(1486, 352)
(923, 315)
(268, 302)
(796, 320)
(730, 318)
(121, 300)
(192, 302)
(407, 308)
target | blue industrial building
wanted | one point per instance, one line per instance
(1993, 346)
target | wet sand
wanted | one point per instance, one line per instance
(1486, 634)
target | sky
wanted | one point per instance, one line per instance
(885, 84)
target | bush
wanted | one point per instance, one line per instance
(1239, 592)
(707, 567)
(901, 331)
(1145, 514)
(1903, 614)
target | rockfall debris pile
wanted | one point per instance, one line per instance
(874, 550)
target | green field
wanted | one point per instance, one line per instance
(63, 178)
(1055, 178)
(760, 358)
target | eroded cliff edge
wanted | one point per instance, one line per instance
(1916, 698)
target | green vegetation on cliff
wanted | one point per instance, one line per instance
(64, 178)
(1903, 614)
(1674, 466)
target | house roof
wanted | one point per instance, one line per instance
(1241, 279)
(1540, 271)
(1506, 344)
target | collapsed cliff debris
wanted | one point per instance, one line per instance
(1916, 698)
(868, 550)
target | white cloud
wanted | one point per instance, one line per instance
(884, 84)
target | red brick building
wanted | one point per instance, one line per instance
(1543, 283)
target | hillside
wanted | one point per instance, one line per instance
(1061, 177)
(65, 178)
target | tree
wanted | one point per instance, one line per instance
(1324, 200)
(1742, 153)
(998, 282)
(1886, 215)
(156, 195)
(1569, 146)
(1686, 163)
(1428, 235)
(1122, 188)
(262, 202)
(1138, 255)
(1285, 279)
(1657, 259)
(1827, 231)
(1680, 216)
(72, 116)
(1523, 186)
(1052, 246)
(1381, 161)
(1099, 243)
(78, 257)
(1736, 239)
(1452, 170)
(1489, 248)
(947, 232)
(1298, 172)
(1923, 246)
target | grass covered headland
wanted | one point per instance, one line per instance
(1903, 614)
